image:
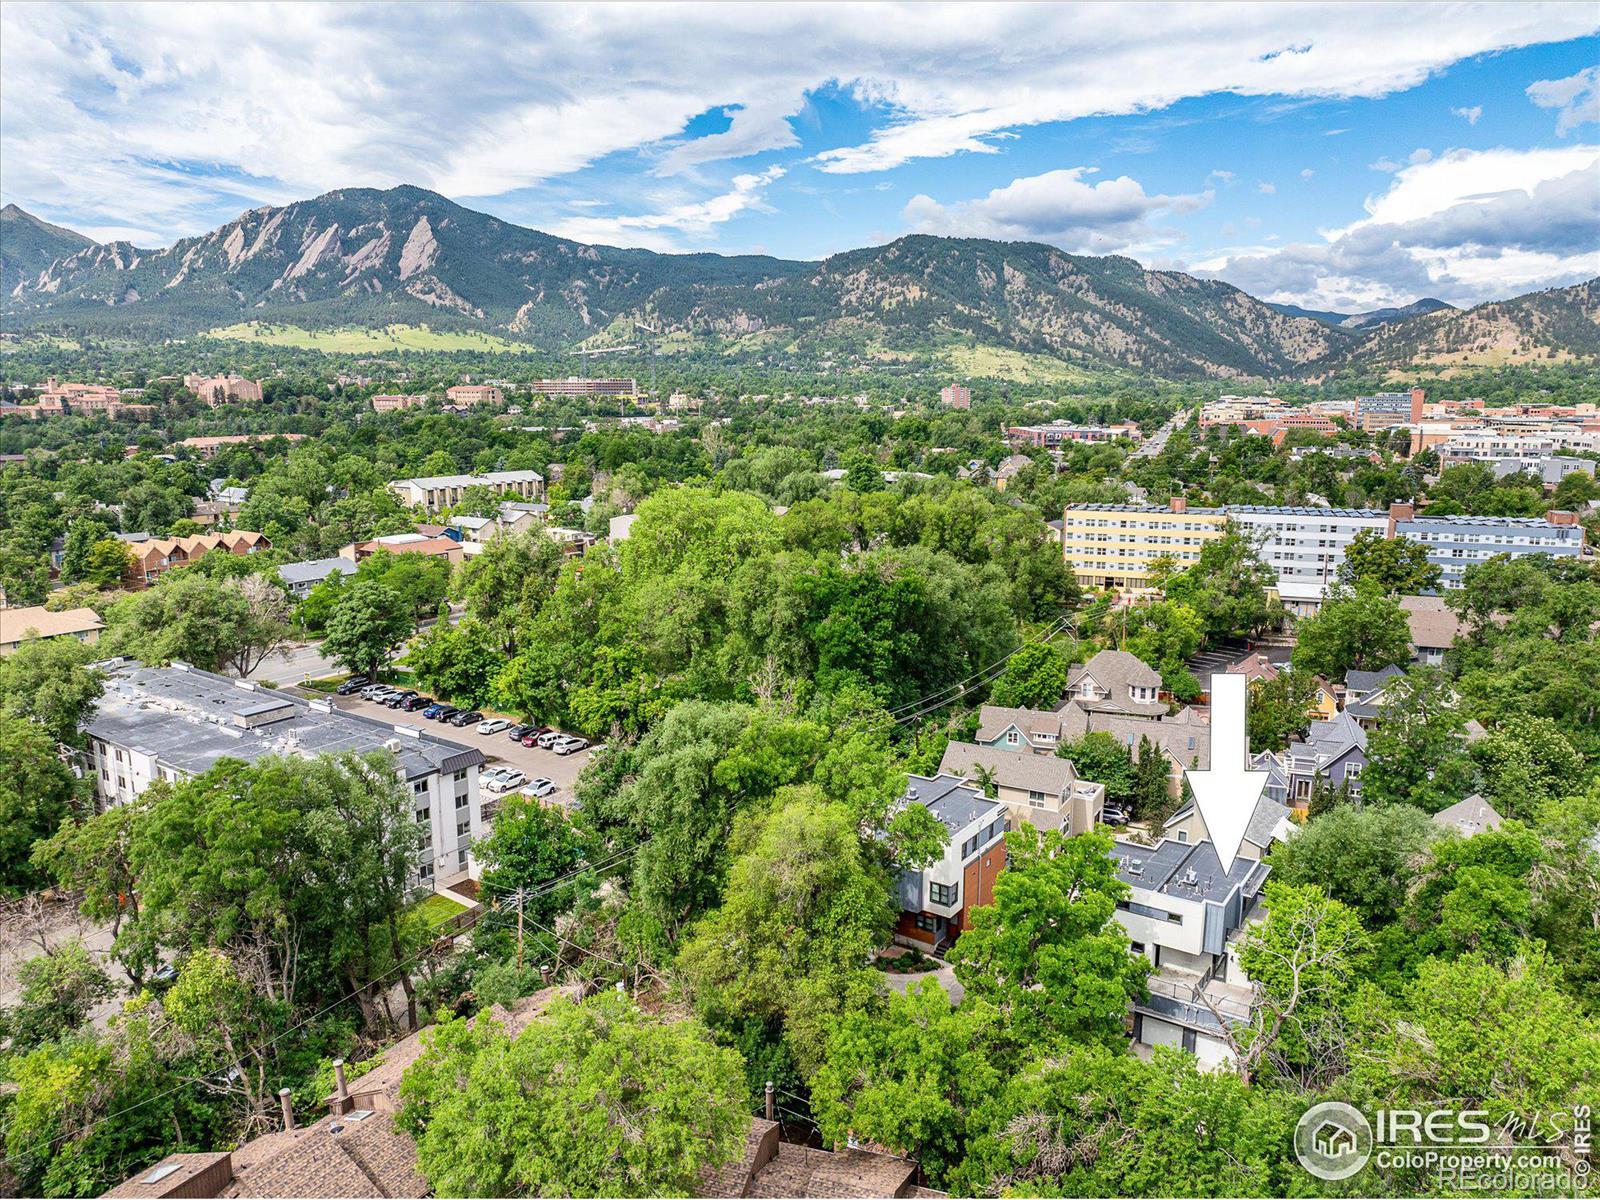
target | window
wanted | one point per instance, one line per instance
(943, 893)
(463, 828)
(1035, 799)
(461, 800)
(425, 871)
(1183, 835)
(927, 923)
(1012, 737)
(971, 844)
(460, 776)
(423, 816)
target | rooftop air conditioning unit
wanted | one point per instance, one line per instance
(1190, 877)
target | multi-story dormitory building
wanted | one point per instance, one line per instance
(176, 722)
(1114, 546)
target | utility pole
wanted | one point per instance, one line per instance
(520, 896)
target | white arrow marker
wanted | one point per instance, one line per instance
(1227, 793)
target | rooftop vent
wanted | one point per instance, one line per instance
(1190, 878)
(359, 1114)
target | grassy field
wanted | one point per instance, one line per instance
(366, 341)
(997, 362)
(434, 910)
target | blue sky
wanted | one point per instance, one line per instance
(1339, 156)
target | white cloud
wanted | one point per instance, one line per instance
(1469, 115)
(1223, 177)
(666, 230)
(1059, 207)
(1390, 166)
(1267, 189)
(148, 116)
(1467, 226)
(1577, 96)
(1307, 173)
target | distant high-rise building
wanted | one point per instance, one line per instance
(956, 396)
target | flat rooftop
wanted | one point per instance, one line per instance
(190, 720)
(1185, 871)
(954, 802)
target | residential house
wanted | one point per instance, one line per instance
(152, 557)
(1270, 822)
(357, 1149)
(300, 577)
(176, 722)
(1333, 751)
(17, 625)
(1041, 789)
(1254, 666)
(1019, 728)
(209, 447)
(1187, 915)
(1184, 737)
(1469, 816)
(770, 1166)
(1115, 681)
(620, 527)
(1010, 467)
(936, 901)
(1365, 692)
(1434, 628)
(441, 546)
(434, 492)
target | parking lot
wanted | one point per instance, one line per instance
(497, 747)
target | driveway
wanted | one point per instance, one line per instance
(497, 747)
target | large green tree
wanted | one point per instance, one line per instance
(37, 793)
(1398, 566)
(1355, 629)
(591, 1099)
(368, 623)
(48, 681)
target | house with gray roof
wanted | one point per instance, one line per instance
(1469, 816)
(1115, 681)
(1365, 692)
(1187, 916)
(1270, 821)
(935, 901)
(1041, 789)
(300, 577)
(176, 722)
(1334, 751)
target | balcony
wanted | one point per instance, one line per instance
(1182, 996)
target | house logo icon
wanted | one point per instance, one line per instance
(1333, 1140)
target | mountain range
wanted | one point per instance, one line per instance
(362, 257)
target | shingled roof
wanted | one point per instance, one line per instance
(1020, 769)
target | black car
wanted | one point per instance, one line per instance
(413, 702)
(446, 711)
(399, 698)
(463, 719)
(352, 685)
(517, 732)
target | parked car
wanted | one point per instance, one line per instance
(399, 698)
(374, 690)
(570, 745)
(539, 787)
(517, 732)
(494, 725)
(535, 732)
(548, 738)
(430, 712)
(462, 719)
(1112, 815)
(506, 780)
(445, 713)
(413, 702)
(352, 685)
(491, 775)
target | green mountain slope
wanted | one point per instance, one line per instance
(1557, 325)
(370, 258)
(29, 245)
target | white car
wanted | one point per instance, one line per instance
(570, 745)
(487, 778)
(539, 787)
(494, 725)
(548, 740)
(506, 779)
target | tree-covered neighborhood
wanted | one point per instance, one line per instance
(489, 712)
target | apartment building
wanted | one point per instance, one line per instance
(430, 545)
(149, 558)
(1236, 410)
(466, 395)
(955, 396)
(434, 492)
(223, 389)
(1305, 546)
(1113, 546)
(209, 447)
(300, 577)
(176, 722)
(1058, 433)
(392, 402)
(1187, 916)
(1038, 789)
(936, 901)
(1456, 543)
(573, 386)
(1388, 409)
(18, 625)
(85, 399)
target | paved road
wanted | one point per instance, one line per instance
(500, 750)
(304, 660)
(1157, 441)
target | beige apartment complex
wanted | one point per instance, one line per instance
(466, 395)
(1114, 545)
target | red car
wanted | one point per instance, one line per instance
(534, 734)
